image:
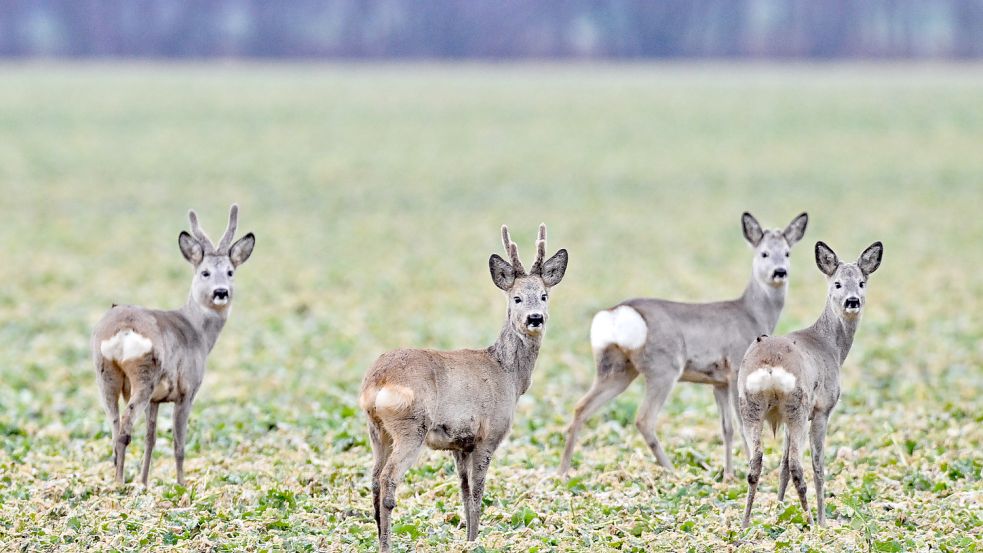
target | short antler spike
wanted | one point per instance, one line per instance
(537, 266)
(206, 243)
(230, 231)
(513, 251)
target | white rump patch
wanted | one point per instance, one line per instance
(621, 326)
(125, 345)
(393, 397)
(770, 378)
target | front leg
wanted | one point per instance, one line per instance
(182, 409)
(480, 461)
(463, 461)
(722, 395)
(817, 436)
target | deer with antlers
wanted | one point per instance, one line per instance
(464, 400)
(151, 356)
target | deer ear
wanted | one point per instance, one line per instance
(242, 249)
(554, 268)
(502, 273)
(870, 260)
(796, 229)
(752, 230)
(826, 259)
(190, 248)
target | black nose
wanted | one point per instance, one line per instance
(534, 320)
(780, 273)
(221, 293)
(852, 303)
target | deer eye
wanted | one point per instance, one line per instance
(205, 274)
(544, 297)
(230, 273)
(786, 254)
(764, 254)
(838, 285)
(861, 284)
(517, 299)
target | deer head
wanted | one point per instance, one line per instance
(528, 293)
(214, 267)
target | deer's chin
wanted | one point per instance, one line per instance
(851, 313)
(777, 282)
(535, 330)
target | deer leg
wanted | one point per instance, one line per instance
(463, 461)
(751, 416)
(139, 399)
(614, 374)
(480, 461)
(722, 395)
(381, 449)
(111, 386)
(406, 447)
(783, 476)
(817, 434)
(658, 384)
(796, 433)
(151, 439)
(182, 409)
(735, 402)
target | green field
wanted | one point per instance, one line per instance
(376, 194)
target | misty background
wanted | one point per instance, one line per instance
(490, 29)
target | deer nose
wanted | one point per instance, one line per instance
(220, 293)
(534, 319)
(852, 303)
(780, 273)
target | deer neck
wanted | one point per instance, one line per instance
(764, 303)
(516, 353)
(834, 331)
(207, 322)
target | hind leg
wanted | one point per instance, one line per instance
(752, 418)
(614, 374)
(796, 433)
(407, 443)
(110, 386)
(660, 376)
(381, 449)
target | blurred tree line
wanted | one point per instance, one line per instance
(492, 28)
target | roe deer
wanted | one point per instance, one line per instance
(693, 342)
(795, 379)
(462, 400)
(152, 357)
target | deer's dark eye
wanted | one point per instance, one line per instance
(786, 254)
(205, 274)
(230, 273)
(838, 285)
(517, 299)
(861, 284)
(764, 254)
(544, 297)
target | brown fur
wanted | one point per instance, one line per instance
(460, 401)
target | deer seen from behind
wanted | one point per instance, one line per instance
(150, 356)
(794, 380)
(464, 400)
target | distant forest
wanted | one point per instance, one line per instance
(491, 29)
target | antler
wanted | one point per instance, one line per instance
(230, 231)
(537, 266)
(513, 251)
(206, 243)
